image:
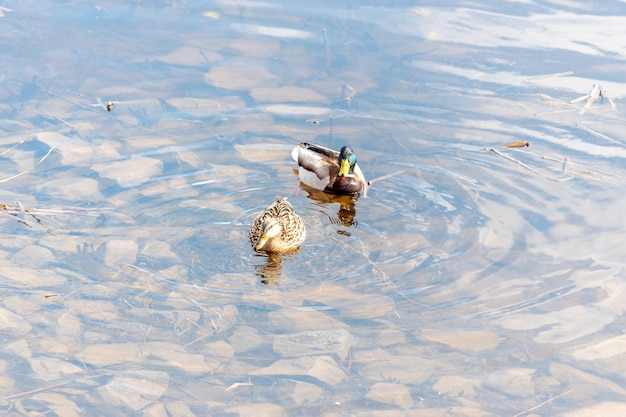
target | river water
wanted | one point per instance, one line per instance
(138, 142)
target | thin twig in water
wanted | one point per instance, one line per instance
(239, 384)
(199, 339)
(369, 183)
(597, 134)
(43, 158)
(68, 124)
(542, 404)
(548, 76)
(384, 177)
(19, 213)
(596, 93)
(580, 169)
(528, 167)
(556, 102)
(72, 210)
(51, 295)
(52, 386)
(13, 147)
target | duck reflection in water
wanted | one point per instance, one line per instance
(346, 215)
(271, 270)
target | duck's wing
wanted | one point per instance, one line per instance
(254, 232)
(318, 164)
(294, 230)
(323, 151)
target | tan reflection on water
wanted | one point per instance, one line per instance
(346, 215)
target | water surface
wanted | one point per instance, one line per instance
(474, 279)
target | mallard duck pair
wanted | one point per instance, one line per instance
(279, 228)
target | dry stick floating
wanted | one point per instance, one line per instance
(19, 212)
(548, 76)
(596, 93)
(51, 295)
(555, 102)
(597, 134)
(518, 144)
(580, 168)
(384, 177)
(239, 384)
(100, 104)
(43, 158)
(68, 210)
(543, 403)
(528, 167)
(52, 386)
(13, 147)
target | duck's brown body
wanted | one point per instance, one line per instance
(277, 229)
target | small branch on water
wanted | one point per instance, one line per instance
(528, 167)
(43, 158)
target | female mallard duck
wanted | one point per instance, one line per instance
(277, 229)
(328, 170)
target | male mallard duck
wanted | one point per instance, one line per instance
(328, 170)
(277, 229)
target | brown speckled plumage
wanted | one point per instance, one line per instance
(277, 229)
